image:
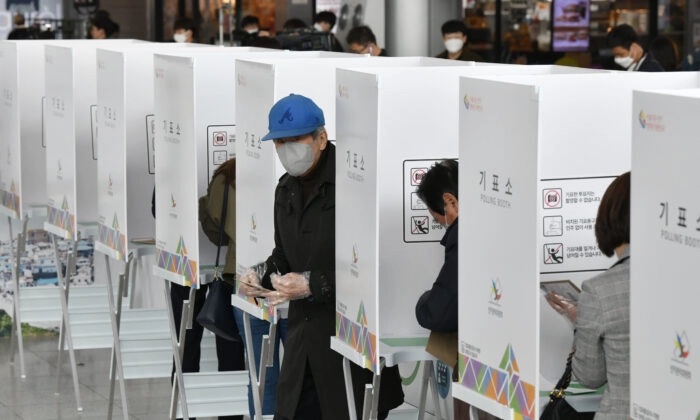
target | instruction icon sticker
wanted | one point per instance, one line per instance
(554, 253)
(551, 198)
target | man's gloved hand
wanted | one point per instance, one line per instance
(290, 286)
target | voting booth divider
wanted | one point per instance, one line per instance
(23, 174)
(123, 127)
(195, 123)
(384, 149)
(70, 91)
(536, 155)
(260, 84)
(665, 227)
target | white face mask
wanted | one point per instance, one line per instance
(318, 27)
(252, 31)
(296, 157)
(453, 45)
(182, 37)
(624, 62)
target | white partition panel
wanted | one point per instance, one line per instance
(394, 127)
(194, 122)
(23, 164)
(579, 126)
(665, 224)
(260, 84)
(71, 159)
(124, 120)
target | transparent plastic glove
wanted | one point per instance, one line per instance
(249, 283)
(290, 286)
(562, 305)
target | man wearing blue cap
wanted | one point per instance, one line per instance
(301, 270)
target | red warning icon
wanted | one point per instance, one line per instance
(551, 198)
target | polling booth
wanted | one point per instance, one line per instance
(195, 122)
(536, 155)
(382, 159)
(124, 130)
(22, 178)
(71, 173)
(260, 84)
(665, 225)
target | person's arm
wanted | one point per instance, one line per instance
(588, 363)
(436, 309)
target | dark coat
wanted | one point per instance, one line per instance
(650, 64)
(436, 309)
(465, 56)
(305, 241)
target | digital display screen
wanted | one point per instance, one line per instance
(570, 25)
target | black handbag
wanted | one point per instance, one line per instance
(216, 314)
(557, 408)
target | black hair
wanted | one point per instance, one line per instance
(184, 23)
(621, 36)
(452, 26)
(361, 35)
(294, 24)
(612, 226)
(102, 20)
(325, 16)
(250, 20)
(441, 178)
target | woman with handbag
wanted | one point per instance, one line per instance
(602, 315)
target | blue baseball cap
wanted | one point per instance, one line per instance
(292, 116)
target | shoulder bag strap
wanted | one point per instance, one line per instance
(222, 223)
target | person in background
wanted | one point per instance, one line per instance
(250, 24)
(454, 36)
(361, 40)
(665, 51)
(184, 30)
(324, 22)
(602, 315)
(102, 26)
(294, 25)
(20, 30)
(301, 270)
(628, 52)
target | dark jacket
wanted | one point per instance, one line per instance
(650, 64)
(465, 56)
(305, 241)
(436, 309)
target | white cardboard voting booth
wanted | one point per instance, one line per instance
(536, 155)
(71, 164)
(260, 84)
(665, 225)
(23, 167)
(124, 131)
(383, 159)
(195, 119)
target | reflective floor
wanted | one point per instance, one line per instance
(47, 392)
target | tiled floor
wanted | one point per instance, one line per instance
(43, 396)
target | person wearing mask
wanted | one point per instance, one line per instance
(361, 40)
(102, 26)
(629, 54)
(436, 309)
(602, 315)
(301, 270)
(250, 24)
(183, 30)
(324, 22)
(454, 36)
